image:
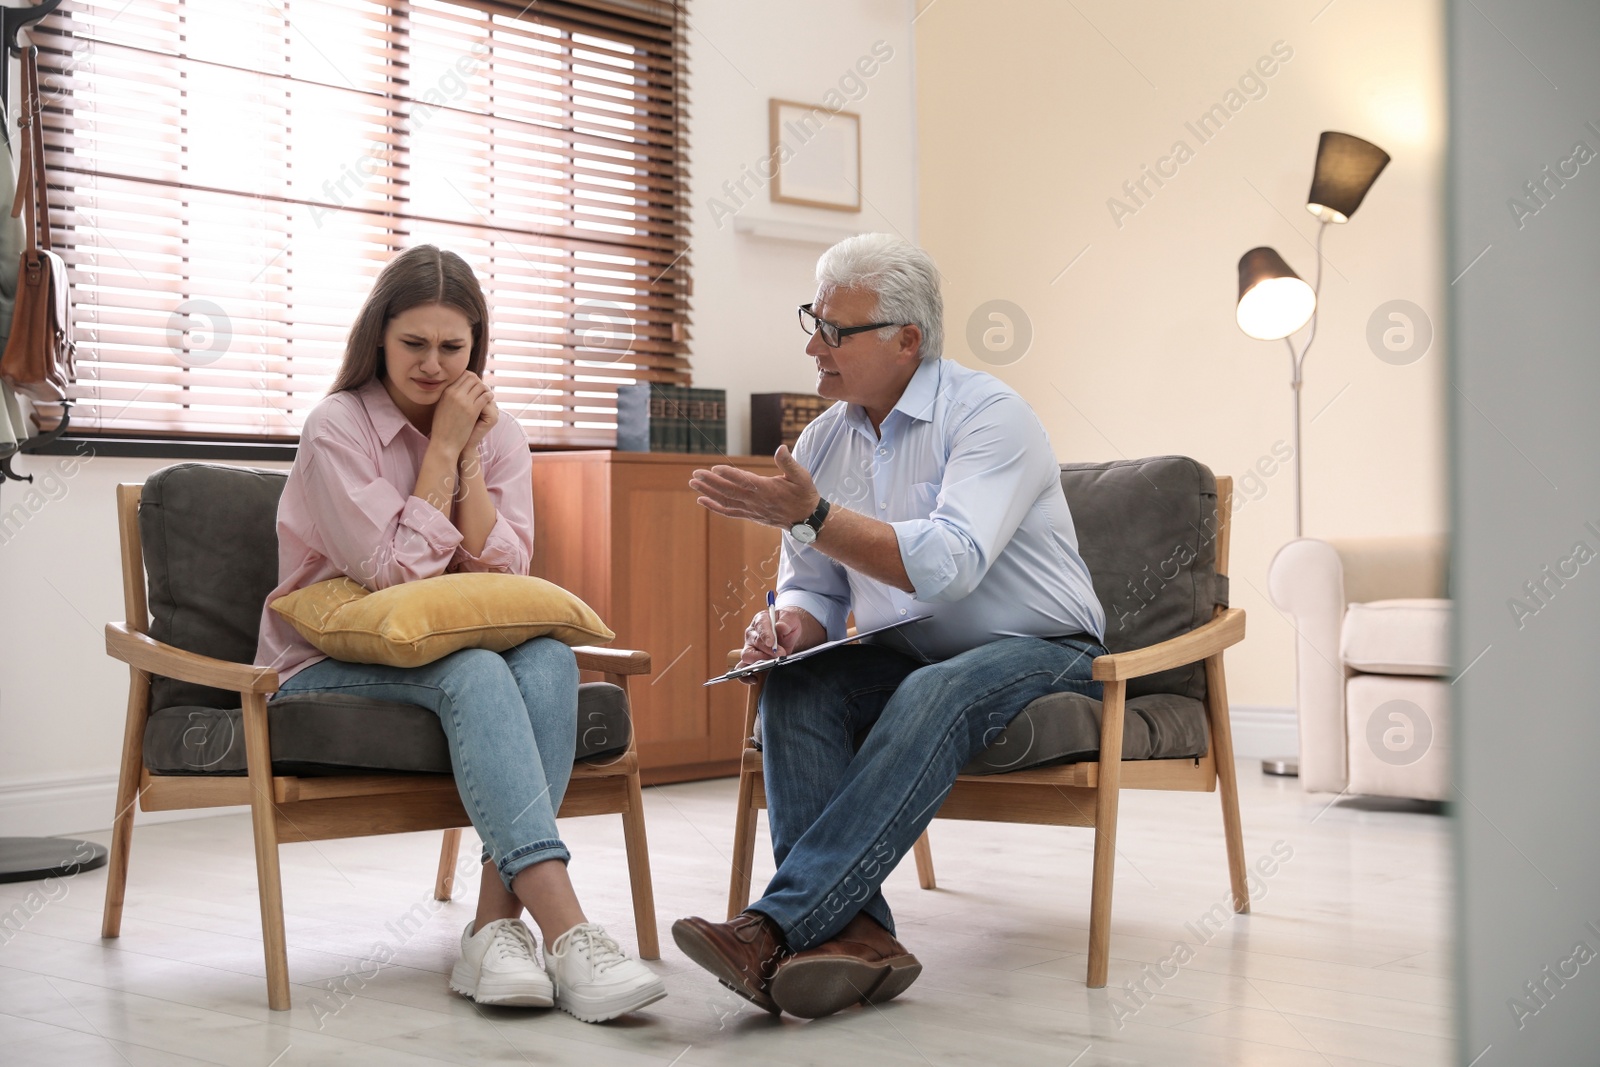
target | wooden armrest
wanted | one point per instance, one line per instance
(154, 657)
(1224, 630)
(612, 660)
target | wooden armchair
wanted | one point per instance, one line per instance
(215, 526)
(1154, 534)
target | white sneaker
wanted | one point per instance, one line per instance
(594, 980)
(498, 965)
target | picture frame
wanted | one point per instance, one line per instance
(815, 155)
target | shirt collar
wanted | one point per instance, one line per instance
(916, 400)
(386, 418)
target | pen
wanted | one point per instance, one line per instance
(772, 617)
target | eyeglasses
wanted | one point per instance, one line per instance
(832, 334)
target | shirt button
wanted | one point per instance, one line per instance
(902, 611)
(883, 451)
(882, 506)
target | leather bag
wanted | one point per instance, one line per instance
(38, 358)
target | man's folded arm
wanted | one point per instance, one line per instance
(999, 464)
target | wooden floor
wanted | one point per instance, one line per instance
(1344, 961)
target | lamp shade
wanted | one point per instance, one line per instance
(1273, 300)
(1346, 168)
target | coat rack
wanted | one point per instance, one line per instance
(13, 19)
(26, 859)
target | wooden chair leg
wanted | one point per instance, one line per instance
(127, 797)
(1105, 833)
(923, 851)
(644, 898)
(445, 883)
(744, 844)
(263, 818)
(1227, 780)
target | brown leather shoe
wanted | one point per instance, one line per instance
(863, 963)
(742, 954)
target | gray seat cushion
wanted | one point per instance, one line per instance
(334, 733)
(1065, 728)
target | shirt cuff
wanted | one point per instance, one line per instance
(925, 552)
(829, 612)
(427, 520)
(501, 552)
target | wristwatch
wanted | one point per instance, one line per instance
(806, 531)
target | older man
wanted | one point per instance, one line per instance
(929, 492)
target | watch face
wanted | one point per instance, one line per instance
(803, 533)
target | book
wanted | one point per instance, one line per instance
(778, 419)
(637, 418)
(708, 417)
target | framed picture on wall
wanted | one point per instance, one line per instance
(816, 156)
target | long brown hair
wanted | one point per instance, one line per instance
(422, 275)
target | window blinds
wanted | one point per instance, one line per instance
(228, 176)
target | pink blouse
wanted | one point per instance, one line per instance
(347, 509)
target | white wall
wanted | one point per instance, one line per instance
(1032, 116)
(746, 337)
(62, 699)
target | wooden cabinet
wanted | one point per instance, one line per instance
(622, 530)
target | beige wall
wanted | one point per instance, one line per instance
(1031, 116)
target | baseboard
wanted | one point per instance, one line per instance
(1264, 732)
(75, 804)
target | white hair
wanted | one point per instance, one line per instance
(901, 275)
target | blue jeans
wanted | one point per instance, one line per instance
(511, 720)
(845, 808)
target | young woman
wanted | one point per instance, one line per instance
(405, 471)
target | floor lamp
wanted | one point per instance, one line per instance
(1275, 302)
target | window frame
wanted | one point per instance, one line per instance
(198, 441)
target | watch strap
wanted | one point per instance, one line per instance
(813, 521)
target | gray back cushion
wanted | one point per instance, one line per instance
(210, 537)
(1147, 530)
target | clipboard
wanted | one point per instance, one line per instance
(796, 657)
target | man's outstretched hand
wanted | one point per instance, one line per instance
(781, 501)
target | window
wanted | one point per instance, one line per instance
(228, 176)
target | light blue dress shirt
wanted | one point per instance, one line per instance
(964, 473)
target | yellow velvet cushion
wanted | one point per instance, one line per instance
(418, 622)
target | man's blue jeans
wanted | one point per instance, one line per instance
(841, 815)
(511, 720)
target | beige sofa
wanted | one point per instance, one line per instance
(1372, 656)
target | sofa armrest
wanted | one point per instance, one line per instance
(154, 657)
(1226, 629)
(1392, 568)
(1306, 582)
(612, 660)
